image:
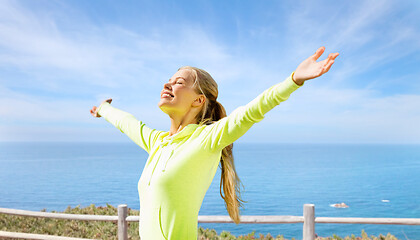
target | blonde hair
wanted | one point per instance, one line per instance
(213, 111)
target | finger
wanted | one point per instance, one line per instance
(318, 53)
(331, 57)
(326, 61)
(323, 62)
(327, 67)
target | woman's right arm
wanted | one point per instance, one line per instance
(128, 124)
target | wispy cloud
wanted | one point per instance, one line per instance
(31, 42)
(57, 62)
(368, 34)
(99, 55)
(86, 58)
(342, 116)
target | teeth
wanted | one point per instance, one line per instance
(166, 94)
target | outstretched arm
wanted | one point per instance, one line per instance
(229, 129)
(127, 123)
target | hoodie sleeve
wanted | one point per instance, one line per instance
(227, 130)
(136, 130)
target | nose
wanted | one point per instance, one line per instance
(167, 86)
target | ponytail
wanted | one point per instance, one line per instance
(213, 111)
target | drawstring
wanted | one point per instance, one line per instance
(157, 161)
(167, 160)
(162, 145)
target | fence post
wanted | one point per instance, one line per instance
(122, 223)
(308, 222)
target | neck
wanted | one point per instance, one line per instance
(178, 123)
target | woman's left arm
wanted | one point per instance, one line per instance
(229, 129)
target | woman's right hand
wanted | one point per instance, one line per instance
(94, 110)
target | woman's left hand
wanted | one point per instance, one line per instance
(310, 68)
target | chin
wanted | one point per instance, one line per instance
(164, 108)
(161, 103)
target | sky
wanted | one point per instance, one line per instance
(58, 59)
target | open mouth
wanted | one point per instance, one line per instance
(167, 95)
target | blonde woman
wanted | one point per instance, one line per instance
(182, 162)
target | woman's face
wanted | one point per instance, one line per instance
(178, 95)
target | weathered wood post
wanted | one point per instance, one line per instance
(122, 223)
(308, 222)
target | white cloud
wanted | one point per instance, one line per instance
(345, 115)
(367, 34)
(97, 55)
(81, 64)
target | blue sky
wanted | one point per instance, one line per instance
(60, 58)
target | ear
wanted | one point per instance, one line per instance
(199, 101)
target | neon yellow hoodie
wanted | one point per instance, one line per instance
(181, 167)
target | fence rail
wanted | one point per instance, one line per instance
(308, 219)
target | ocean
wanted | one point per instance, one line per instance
(278, 179)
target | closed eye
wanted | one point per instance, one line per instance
(182, 81)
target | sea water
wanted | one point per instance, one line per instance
(278, 179)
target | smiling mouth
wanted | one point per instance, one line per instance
(167, 95)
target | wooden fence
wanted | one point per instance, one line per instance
(308, 219)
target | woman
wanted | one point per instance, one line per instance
(183, 161)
